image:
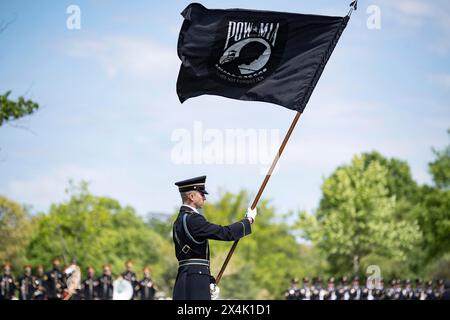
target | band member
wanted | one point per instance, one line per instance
(130, 276)
(305, 291)
(440, 289)
(105, 284)
(72, 275)
(40, 281)
(317, 292)
(191, 232)
(146, 287)
(419, 291)
(89, 285)
(331, 293)
(55, 283)
(26, 284)
(293, 293)
(378, 292)
(355, 290)
(343, 291)
(429, 291)
(7, 284)
(407, 292)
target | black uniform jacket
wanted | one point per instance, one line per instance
(191, 232)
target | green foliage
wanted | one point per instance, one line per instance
(13, 110)
(433, 216)
(356, 218)
(440, 168)
(263, 262)
(95, 230)
(15, 231)
(400, 182)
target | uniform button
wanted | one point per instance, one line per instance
(200, 272)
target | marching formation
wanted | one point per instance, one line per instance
(54, 284)
(397, 290)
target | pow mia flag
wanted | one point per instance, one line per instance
(254, 55)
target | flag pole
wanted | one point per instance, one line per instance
(261, 189)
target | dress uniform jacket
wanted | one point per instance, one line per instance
(191, 232)
(26, 287)
(7, 287)
(89, 288)
(146, 289)
(55, 284)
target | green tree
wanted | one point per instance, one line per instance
(440, 168)
(12, 110)
(15, 231)
(433, 216)
(263, 262)
(356, 219)
(95, 230)
(400, 182)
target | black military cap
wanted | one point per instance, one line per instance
(194, 184)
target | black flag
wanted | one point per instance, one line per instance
(254, 55)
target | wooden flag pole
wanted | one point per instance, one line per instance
(261, 189)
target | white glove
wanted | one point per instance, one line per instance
(251, 214)
(215, 290)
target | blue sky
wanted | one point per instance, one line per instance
(109, 107)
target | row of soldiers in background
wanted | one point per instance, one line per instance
(398, 290)
(52, 285)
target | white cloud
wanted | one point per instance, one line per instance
(134, 56)
(41, 191)
(414, 7)
(441, 79)
(414, 14)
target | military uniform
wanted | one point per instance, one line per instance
(105, 287)
(39, 284)
(146, 289)
(88, 288)
(330, 293)
(343, 290)
(317, 292)
(419, 292)
(7, 285)
(355, 290)
(407, 292)
(305, 291)
(439, 292)
(293, 293)
(55, 284)
(429, 291)
(191, 232)
(132, 278)
(26, 285)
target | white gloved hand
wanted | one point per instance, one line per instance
(251, 214)
(215, 290)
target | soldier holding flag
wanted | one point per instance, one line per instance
(191, 232)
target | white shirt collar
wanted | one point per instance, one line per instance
(195, 210)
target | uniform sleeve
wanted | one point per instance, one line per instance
(201, 229)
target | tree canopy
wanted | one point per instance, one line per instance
(12, 110)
